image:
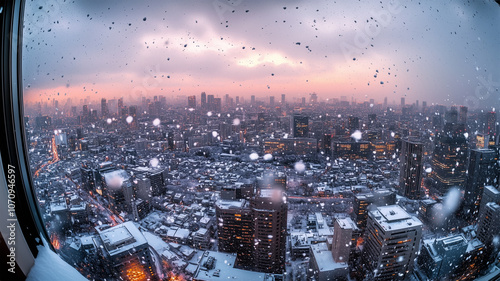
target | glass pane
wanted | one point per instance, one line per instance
(266, 140)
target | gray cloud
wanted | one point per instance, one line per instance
(424, 50)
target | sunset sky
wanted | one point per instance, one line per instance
(445, 52)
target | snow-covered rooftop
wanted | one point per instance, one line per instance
(122, 238)
(223, 269)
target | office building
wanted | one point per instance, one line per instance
(392, 242)
(449, 159)
(345, 235)
(269, 209)
(441, 257)
(255, 230)
(489, 223)
(381, 197)
(203, 100)
(482, 171)
(104, 108)
(490, 194)
(127, 251)
(191, 101)
(411, 168)
(235, 229)
(300, 126)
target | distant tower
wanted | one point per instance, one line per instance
(252, 100)
(490, 124)
(462, 117)
(449, 159)
(271, 101)
(104, 108)
(283, 101)
(403, 102)
(203, 100)
(300, 126)
(192, 101)
(385, 102)
(391, 243)
(411, 169)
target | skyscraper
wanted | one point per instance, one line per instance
(449, 158)
(482, 171)
(235, 229)
(300, 126)
(283, 100)
(269, 209)
(192, 101)
(489, 223)
(353, 124)
(271, 101)
(490, 126)
(403, 103)
(392, 241)
(203, 100)
(462, 116)
(410, 175)
(104, 108)
(255, 230)
(210, 102)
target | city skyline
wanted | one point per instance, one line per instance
(264, 50)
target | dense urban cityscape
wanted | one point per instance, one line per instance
(213, 187)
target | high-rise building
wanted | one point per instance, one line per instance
(353, 124)
(410, 176)
(104, 108)
(392, 242)
(283, 100)
(203, 100)
(345, 234)
(157, 182)
(192, 101)
(489, 223)
(490, 194)
(300, 126)
(449, 158)
(403, 103)
(217, 104)
(490, 126)
(210, 102)
(269, 209)
(441, 257)
(271, 101)
(120, 105)
(235, 229)
(255, 230)
(381, 197)
(462, 116)
(252, 100)
(127, 251)
(482, 171)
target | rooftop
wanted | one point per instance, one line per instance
(393, 217)
(324, 258)
(393, 213)
(121, 238)
(220, 266)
